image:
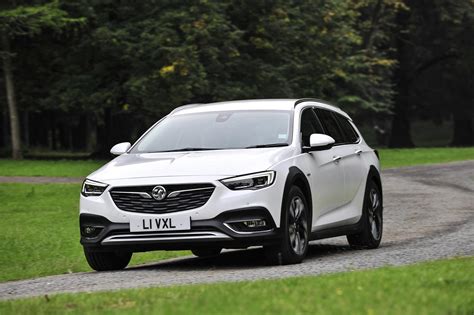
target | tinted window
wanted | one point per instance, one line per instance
(330, 125)
(350, 135)
(309, 125)
(218, 130)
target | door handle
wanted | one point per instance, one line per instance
(358, 151)
(336, 159)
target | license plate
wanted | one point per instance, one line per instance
(159, 223)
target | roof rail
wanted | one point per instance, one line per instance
(301, 100)
(177, 109)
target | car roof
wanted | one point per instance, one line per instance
(255, 104)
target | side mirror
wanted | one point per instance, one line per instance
(320, 142)
(120, 148)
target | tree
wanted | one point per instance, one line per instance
(29, 22)
(435, 67)
(444, 80)
(138, 60)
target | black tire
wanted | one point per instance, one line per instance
(206, 252)
(295, 227)
(105, 261)
(370, 235)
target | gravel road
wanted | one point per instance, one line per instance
(429, 214)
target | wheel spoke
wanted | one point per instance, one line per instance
(374, 199)
(297, 214)
(374, 230)
(293, 240)
(298, 243)
(303, 225)
(291, 229)
(290, 215)
(299, 208)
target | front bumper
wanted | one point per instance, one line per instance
(215, 232)
(222, 200)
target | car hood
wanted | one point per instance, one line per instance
(219, 163)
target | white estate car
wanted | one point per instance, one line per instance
(271, 173)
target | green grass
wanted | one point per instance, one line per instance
(406, 157)
(441, 287)
(61, 168)
(40, 232)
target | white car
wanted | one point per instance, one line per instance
(271, 173)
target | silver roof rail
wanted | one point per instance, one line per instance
(301, 100)
(177, 109)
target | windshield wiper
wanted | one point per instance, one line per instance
(186, 149)
(270, 145)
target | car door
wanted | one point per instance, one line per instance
(354, 169)
(326, 175)
(338, 153)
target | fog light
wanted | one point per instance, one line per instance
(90, 231)
(246, 226)
(255, 223)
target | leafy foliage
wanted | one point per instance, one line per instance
(133, 61)
(31, 21)
(149, 57)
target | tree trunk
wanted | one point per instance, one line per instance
(54, 132)
(26, 129)
(11, 100)
(374, 24)
(401, 130)
(463, 131)
(91, 134)
(5, 125)
(400, 135)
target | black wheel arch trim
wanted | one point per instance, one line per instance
(374, 174)
(295, 175)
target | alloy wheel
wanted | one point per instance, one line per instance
(298, 226)
(375, 215)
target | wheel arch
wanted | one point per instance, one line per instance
(374, 175)
(296, 177)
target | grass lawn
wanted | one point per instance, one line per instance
(60, 168)
(441, 287)
(405, 157)
(40, 232)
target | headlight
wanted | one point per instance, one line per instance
(250, 181)
(92, 188)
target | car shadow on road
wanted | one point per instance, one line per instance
(246, 258)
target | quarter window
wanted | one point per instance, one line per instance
(350, 135)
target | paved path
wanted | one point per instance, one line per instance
(429, 214)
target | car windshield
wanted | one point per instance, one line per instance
(217, 131)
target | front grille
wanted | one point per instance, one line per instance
(138, 198)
